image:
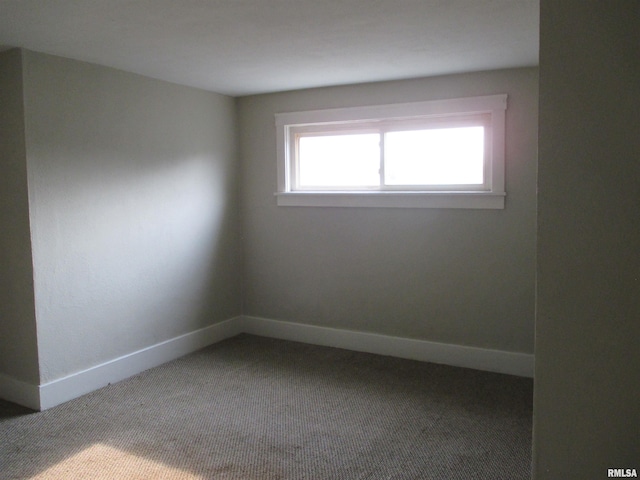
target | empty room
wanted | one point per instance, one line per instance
(326, 240)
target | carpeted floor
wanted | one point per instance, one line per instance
(258, 408)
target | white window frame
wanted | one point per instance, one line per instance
(491, 195)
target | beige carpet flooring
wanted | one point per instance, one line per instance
(256, 408)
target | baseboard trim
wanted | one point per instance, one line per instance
(67, 388)
(19, 392)
(512, 363)
(80, 383)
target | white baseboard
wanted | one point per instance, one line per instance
(512, 363)
(80, 383)
(67, 388)
(19, 392)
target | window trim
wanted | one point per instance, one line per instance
(493, 197)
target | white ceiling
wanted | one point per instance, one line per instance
(241, 47)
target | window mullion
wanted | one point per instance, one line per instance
(382, 172)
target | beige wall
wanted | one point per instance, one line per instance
(587, 394)
(133, 204)
(455, 276)
(18, 348)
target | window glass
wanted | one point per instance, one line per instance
(440, 156)
(345, 161)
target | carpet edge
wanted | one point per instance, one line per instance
(498, 361)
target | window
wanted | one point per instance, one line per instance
(436, 154)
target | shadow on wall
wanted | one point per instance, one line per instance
(153, 256)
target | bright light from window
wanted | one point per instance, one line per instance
(339, 161)
(433, 154)
(100, 461)
(433, 157)
(442, 156)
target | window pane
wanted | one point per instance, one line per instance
(442, 156)
(339, 161)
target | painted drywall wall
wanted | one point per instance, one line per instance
(455, 276)
(133, 203)
(587, 360)
(18, 347)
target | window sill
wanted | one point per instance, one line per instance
(471, 200)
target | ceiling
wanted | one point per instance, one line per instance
(241, 47)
